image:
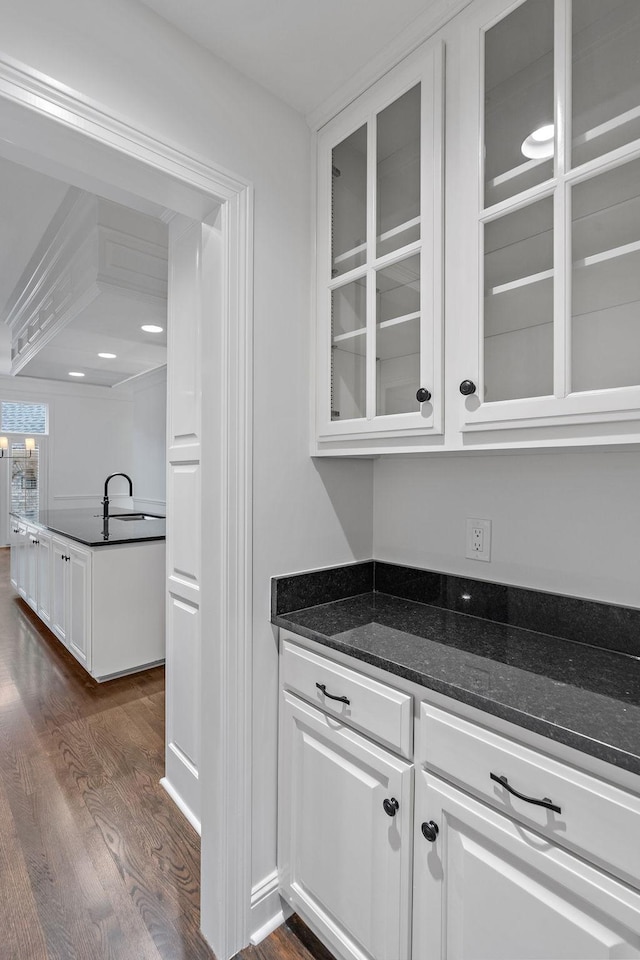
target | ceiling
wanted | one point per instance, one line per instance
(28, 202)
(300, 50)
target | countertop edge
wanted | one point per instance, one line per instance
(564, 735)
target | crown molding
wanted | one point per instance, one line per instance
(438, 13)
(23, 85)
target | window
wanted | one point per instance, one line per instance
(25, 481)
(26, 418)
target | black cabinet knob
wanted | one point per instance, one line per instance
(467, 387)
(390, 806)
(430, 830)
(423, 395)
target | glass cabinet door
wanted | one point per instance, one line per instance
(382, 242)
(558, 210)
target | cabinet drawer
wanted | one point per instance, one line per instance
(597, 820)
(374, 708)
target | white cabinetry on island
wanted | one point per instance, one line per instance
(104, 603)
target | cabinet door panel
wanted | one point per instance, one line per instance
(548, 336)
(31, 584)
(79, 605)
(379, 266)
(489, 889)
(344, 862)
(59, 576)
(44, 578)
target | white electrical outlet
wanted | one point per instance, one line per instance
(478, 539)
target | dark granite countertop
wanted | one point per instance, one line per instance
(87, 527)
(585, 696)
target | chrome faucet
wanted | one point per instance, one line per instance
(105, 499)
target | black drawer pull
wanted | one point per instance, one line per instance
(330, 696)
(545, 802)
(390, 806)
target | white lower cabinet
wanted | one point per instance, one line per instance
(43, 563)
(31, 576)
(19, 547)
(487, 888)
(106, 605)
(71, 595)
(345, 834)
(492, 875)
(59, 588)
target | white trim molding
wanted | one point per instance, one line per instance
(181, 805)
(49, 126)
(268, 909)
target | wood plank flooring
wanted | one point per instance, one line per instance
(96, 862)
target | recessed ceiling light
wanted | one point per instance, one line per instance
(151, 328)
(107, 356)
(75, 373)
(539, 145)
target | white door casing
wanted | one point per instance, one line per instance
(50, 127)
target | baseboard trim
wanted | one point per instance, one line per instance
(268, 909)
(267, 928)
(181, 805)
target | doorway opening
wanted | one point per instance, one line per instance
(209, 439)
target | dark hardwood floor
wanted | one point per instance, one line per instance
(96, 862)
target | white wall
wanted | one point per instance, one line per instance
(90, 436)
(561, 522)
(150, 440)
(137, 67)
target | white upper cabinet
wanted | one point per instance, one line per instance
(538, 239)
(545, 204)
(379, 266)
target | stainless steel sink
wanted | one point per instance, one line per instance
(134, 516)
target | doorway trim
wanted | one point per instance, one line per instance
(69, 132)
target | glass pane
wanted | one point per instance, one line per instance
(348, 351)
(25, 494)
(518, 122)
(518, 303)
(606, 280)
(606, 76)
(398, 337)
(23, 417)
(349, 203)
(398, 171)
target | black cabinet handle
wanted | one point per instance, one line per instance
(467, 387)
(545, 802)
(390, 806)
(430, 830)
(330, 696)
(423, 395)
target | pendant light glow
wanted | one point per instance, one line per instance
(540, 144)
(151, 328)
(107, 356)
(75, 373)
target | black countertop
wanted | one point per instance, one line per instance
(582, 695)
(87, 527)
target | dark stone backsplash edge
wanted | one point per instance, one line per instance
(608, 626)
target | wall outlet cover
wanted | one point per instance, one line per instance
(478, 539)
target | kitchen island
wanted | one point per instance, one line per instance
(97, 585)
